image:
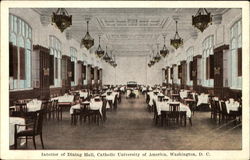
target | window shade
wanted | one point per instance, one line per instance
(72, 71)
(56, 68)
(13, 61)
(211, 66)
(190, 70)
(51, 69)
(22, 63)
(239, 61)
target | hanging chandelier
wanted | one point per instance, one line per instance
(202, 19)
(106, 57)
(157, 57)
(111, 61)
(87, 41)
(164, 52)
(62, 19)
(152, 61)
(149, 63)
(177, 41)
(99, 52)
(114, 63)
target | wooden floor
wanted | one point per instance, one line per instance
(131, 128)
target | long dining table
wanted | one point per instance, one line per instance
(164, 105)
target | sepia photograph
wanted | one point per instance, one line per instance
(133, 81)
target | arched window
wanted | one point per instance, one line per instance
(207, 50)
(73, 55)
(235, 75)
(20, 38)
(56, 56)
(190, 54)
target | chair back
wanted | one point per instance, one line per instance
(213, 106)
(104, 105)
(38, 122)
(155, 108)
(174, 107)
(217, 106)
(115, 102)
(223, 107)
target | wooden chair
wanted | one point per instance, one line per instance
(115, 103)
(104, 104)
(183, 117)
(156, 116)
(227, 116)
(217, 111)
(84, 113)
(174, 112)
(32, 131)
(213, 109)
(164, 117)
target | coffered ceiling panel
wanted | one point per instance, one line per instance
(129, 30)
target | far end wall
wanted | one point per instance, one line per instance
(133, 68)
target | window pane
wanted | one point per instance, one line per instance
(15, 24)
(30, 33)
(234, 44)
(11, 22)
(20, 41)
(239, 27)
(26, 31)
(19, 24)
(239, 41)
(23, 29)
(13, 38)
(28, 44)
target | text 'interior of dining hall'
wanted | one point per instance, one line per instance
(125, 78)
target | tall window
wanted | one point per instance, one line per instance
(235, 65)
(207, 49)
(73, 55)
(190, 54)
(56, 53)
(20, 38)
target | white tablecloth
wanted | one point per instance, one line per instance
(136, 92)
(122, 88)
(93, 106)
(164, 106)
(202, 99)
(152, 97)
(128, 93)
(96, 105)
(65, 98)
(13, 121)
(183, 94)
(144, 89)
(232, 106)
(83, 94)
(34, 105)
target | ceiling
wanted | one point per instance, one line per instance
(129, 31)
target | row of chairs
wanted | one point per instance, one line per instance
(85, 112)
(173, 115)
(219, 112)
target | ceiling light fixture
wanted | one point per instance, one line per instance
(61, 19)
(87, 41)
(106, 57)
(164, 52)
(99, 52)
(157, 57)
(177, 41)
(202, 19)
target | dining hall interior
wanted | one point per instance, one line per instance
(125, 78)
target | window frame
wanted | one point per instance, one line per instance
(24, 33)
